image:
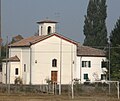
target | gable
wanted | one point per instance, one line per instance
(53, 43)
(27, 42)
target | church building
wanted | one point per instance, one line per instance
(51, 56)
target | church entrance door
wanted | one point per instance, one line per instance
(54, 76)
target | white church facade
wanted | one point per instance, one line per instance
(51, 56)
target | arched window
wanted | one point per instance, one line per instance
(54, 63)
(49, 29)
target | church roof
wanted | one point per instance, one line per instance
(89, 51)
(26, 42)
(46, 21)
(81, 50)
(12, 59)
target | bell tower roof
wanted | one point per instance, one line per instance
(46, 21)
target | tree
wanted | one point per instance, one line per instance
(95, 30)
(16, 39)
(115, 51)
(3, 55)
(4, 48)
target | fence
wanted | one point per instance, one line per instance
(98, 88)
(31, 89)
(86, 89)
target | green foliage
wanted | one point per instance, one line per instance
(115, 34)
(95, 30)
(3, 53)
(16, 39)
(48, 81)
(4, 46)
(18, 80)
(115, 51)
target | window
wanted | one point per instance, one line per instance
(86, 76)
(103, 76)
(54, 63)
(49, 30)
(86, 63)
(24, 67)
(16, 71)
(104, 64)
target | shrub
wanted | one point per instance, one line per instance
(18, 80)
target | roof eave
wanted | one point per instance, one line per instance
(92, 55)
(10, 60)
(19, 46)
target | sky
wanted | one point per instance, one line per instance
(20, 16)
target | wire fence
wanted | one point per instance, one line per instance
(28, 89)
(80, 90)
(110, 89)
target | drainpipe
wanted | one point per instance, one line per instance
(30, 63)
(72, 62)
(60, 66)
(80, 69)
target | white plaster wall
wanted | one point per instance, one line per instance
(3, 72)
(15, 51)
(47, 50)
(18, 52)
(23, 54)
(25, 60)
(10, 69)
(78, 66)
(95, 67)
(43, 52)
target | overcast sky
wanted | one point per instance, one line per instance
(20, 16)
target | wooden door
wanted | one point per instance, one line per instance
(54, 76)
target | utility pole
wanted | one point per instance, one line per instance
(0, 29)
(109, 65)
(109, 61)
(7, 61)
(60, 66)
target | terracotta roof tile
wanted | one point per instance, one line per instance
(89, 51)
(46, 21)
(26, 42)
(12, 59)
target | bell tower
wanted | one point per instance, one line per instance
(47, 27)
